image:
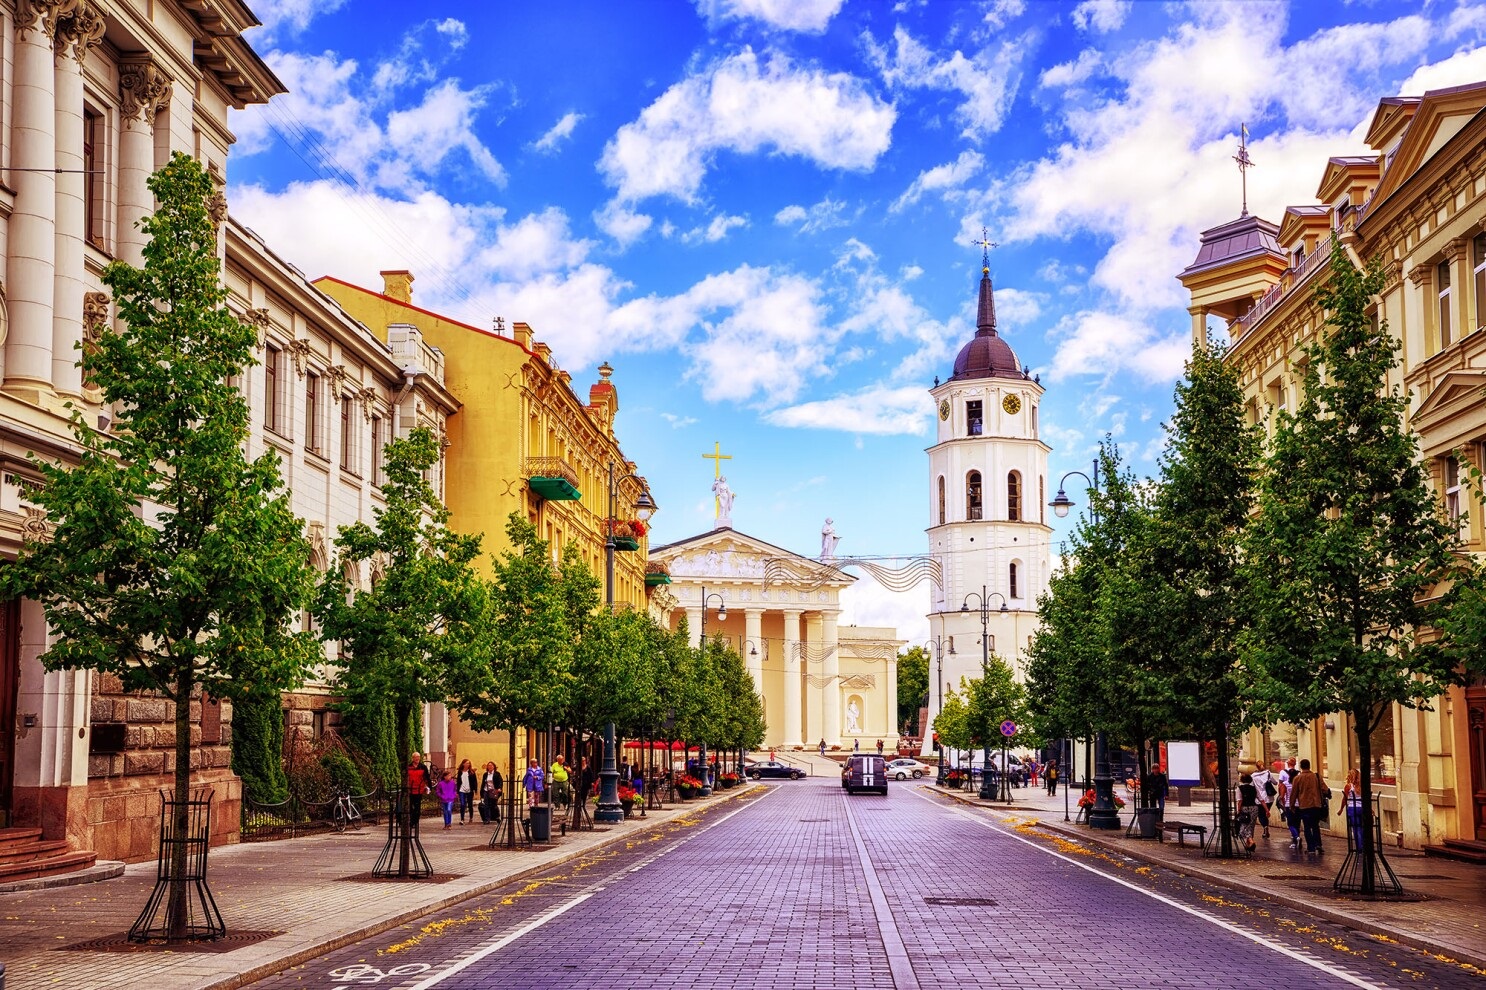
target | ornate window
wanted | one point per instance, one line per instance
(1015, 591)
(348, 439)
(941, 500)
(93, 144)
(973, 496)
(1478, 260)
(1442, 274)
(378, 440)
(312, 440)
(1456, 508)
(1014, 496)
(273, 367)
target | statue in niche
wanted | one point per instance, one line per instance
(853, 716)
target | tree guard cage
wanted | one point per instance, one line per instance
(403, 855)
(1353, 876)
(181, 907)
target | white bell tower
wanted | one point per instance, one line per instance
(988, 494)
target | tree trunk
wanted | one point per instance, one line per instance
(514, 782)
(402, 712)
(177, 921)
(1362, 725)
(1225, 796)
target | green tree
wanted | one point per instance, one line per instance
(913, 688)
(1349, 545)
(173, 561)
(258, 746)
(416, 634)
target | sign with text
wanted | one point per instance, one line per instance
(1184, 764)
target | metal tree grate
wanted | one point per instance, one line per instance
(181, 907)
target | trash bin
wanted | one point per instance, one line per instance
(1149, 821)
(541, 823)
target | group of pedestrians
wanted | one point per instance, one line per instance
(1301, 798)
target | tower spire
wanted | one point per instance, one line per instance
(985, 315)
(1244, 164)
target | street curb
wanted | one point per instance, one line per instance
(1363, 925)
(104, 869)
(265, 970)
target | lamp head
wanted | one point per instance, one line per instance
(722, 613)
(1003, 606)
(965, 607)
(753, 651)
(1061, 504)
(645, 506)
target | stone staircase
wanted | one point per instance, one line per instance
(1464, 850)
(25, 855)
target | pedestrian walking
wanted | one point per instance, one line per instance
(420, 782)
(562, 789)
(822, 747)
(1154, 791)
(534, 783)
(879, 747)
(447, 792)
(1352, 805)
(1265, 790)
(1248, 810)
(1308, 797)
(468, 783)
(491, 788)
(1051, 775)
(1292, 820)
(856, 745)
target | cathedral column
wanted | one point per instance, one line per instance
(792, 679)
(75, 36)
(893, 728)
(831, 669)
(753, 640)
(31, 260)
(694, 626)
(817, 686)
(143, 90)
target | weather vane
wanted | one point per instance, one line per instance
(986, 244)
(1244, 164)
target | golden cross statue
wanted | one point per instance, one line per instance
(986, 244)
(716, 457)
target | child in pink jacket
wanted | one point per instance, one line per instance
(447, 793)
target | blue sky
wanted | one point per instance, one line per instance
(762, 213)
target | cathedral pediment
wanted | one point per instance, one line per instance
(728, 554)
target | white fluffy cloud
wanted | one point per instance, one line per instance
(288, 16)
(877, 410)
(715, 230)
(621, 223)
(540, 242)
(1110, 344)
(558, 133)
(1071, 73)
(1101, 15)
(745, 104)
(987, 80)
(809, 16)
(941, 179)
(821, 216)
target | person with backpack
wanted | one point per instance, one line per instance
(1308, 797)
(491, 788)
(1051, 773)
(420, 782)
(1265, 792)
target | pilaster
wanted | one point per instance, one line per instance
(754, 641)
(144, 90)
(792, 645)
(824, 628)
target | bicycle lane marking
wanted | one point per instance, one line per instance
(904, 976)
(1238, 930)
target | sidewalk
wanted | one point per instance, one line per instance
(1441, 912)
(308, 890)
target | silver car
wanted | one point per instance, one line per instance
(902, 769)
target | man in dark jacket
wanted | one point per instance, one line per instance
(1308, 795)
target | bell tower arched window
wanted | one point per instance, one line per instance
(941, 500)
(1015, 591)
(1014, 496)
(973, 496)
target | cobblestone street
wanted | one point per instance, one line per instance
(797, 886)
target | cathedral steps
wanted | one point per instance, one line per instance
(25, 855)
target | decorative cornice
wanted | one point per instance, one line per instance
(1454, 248)
(95, 315)
(338, 376)
(258, 320)
(1420, 275)
(301, 351)
(80, 32)
(144, 90)
(42, 15)
(368, 397)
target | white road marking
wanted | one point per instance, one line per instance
(499, 944)
(904, 977)
(1254, 937)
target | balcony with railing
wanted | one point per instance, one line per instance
(552, 478)
(1294, 278)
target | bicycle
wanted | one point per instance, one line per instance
(344, 812)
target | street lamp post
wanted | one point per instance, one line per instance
(722, 616)
(609, 809)
(1103, 814)
(752, 650)
(987, 789)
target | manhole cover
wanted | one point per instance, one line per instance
(960, 901)
(120, 943)
(1424, 876)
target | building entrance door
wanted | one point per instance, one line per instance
(1475, 707)
(10, 675)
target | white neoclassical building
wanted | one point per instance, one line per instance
(820, 681)
(988, 495)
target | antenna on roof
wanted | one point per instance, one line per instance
(1244, 164)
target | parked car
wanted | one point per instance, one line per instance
(865, 773)
(773, 769)
(903, 768)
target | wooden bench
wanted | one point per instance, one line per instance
(1184, 829)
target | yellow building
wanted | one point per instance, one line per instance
(523, 441)
(1418, 201)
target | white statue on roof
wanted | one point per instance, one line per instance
(724, 503)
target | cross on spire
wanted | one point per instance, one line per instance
(1244, 164)
(986, 244)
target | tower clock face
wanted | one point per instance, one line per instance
(1011, 404)
(944, 409)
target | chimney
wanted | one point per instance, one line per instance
(522, 334)
(398, 285)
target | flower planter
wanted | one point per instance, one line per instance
(628, 806)
(686, 793)
(627, 543)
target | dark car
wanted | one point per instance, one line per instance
(865, 773)
(773, 768)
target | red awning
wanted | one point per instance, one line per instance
(676, 747)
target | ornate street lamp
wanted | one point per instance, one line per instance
(722, 616)
(1103, 814)
(609, 809)
(987, 789)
